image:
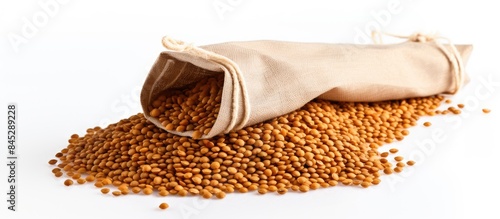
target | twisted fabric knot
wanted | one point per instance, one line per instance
(175, 45)
(421, 38)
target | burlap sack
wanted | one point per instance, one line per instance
(266, 79)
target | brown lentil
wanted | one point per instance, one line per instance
(393, 150)
(388, 170)
(220, 195)
(206, 194)
(68, 182)
(123, 188)
(410, 163)
(136, 190)
(454, 110)
(76, 176)
(398, 158)
(427, 124)
(365, 184)
(105, 190)
(52, 161)
(147, 191)
(486, 110)
(304, 188)
(282, 191)
(262, 191)
(157, 180)
(106, 181)
(161, 193)
(163, 206)
(98, 184)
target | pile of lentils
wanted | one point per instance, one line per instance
(322, 144)
(193, 108)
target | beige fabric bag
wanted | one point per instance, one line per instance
(266, 79)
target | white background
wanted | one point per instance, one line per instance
(82, 64)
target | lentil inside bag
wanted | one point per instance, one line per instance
(266, 79)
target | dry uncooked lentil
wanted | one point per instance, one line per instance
(105, 190)
(106, 181)
(194, 108)
(319, 145)
(220, 195)
(136, 190)
(68, 182)
(147, 191)
(98, 184)
(76, 176)
(365, 184)
(163, 206)
(388, 170)
(427, 124)
(410, 163)
(123, 188)
(393, 150)
(163, 193)
(486, 110)
(90, 178)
